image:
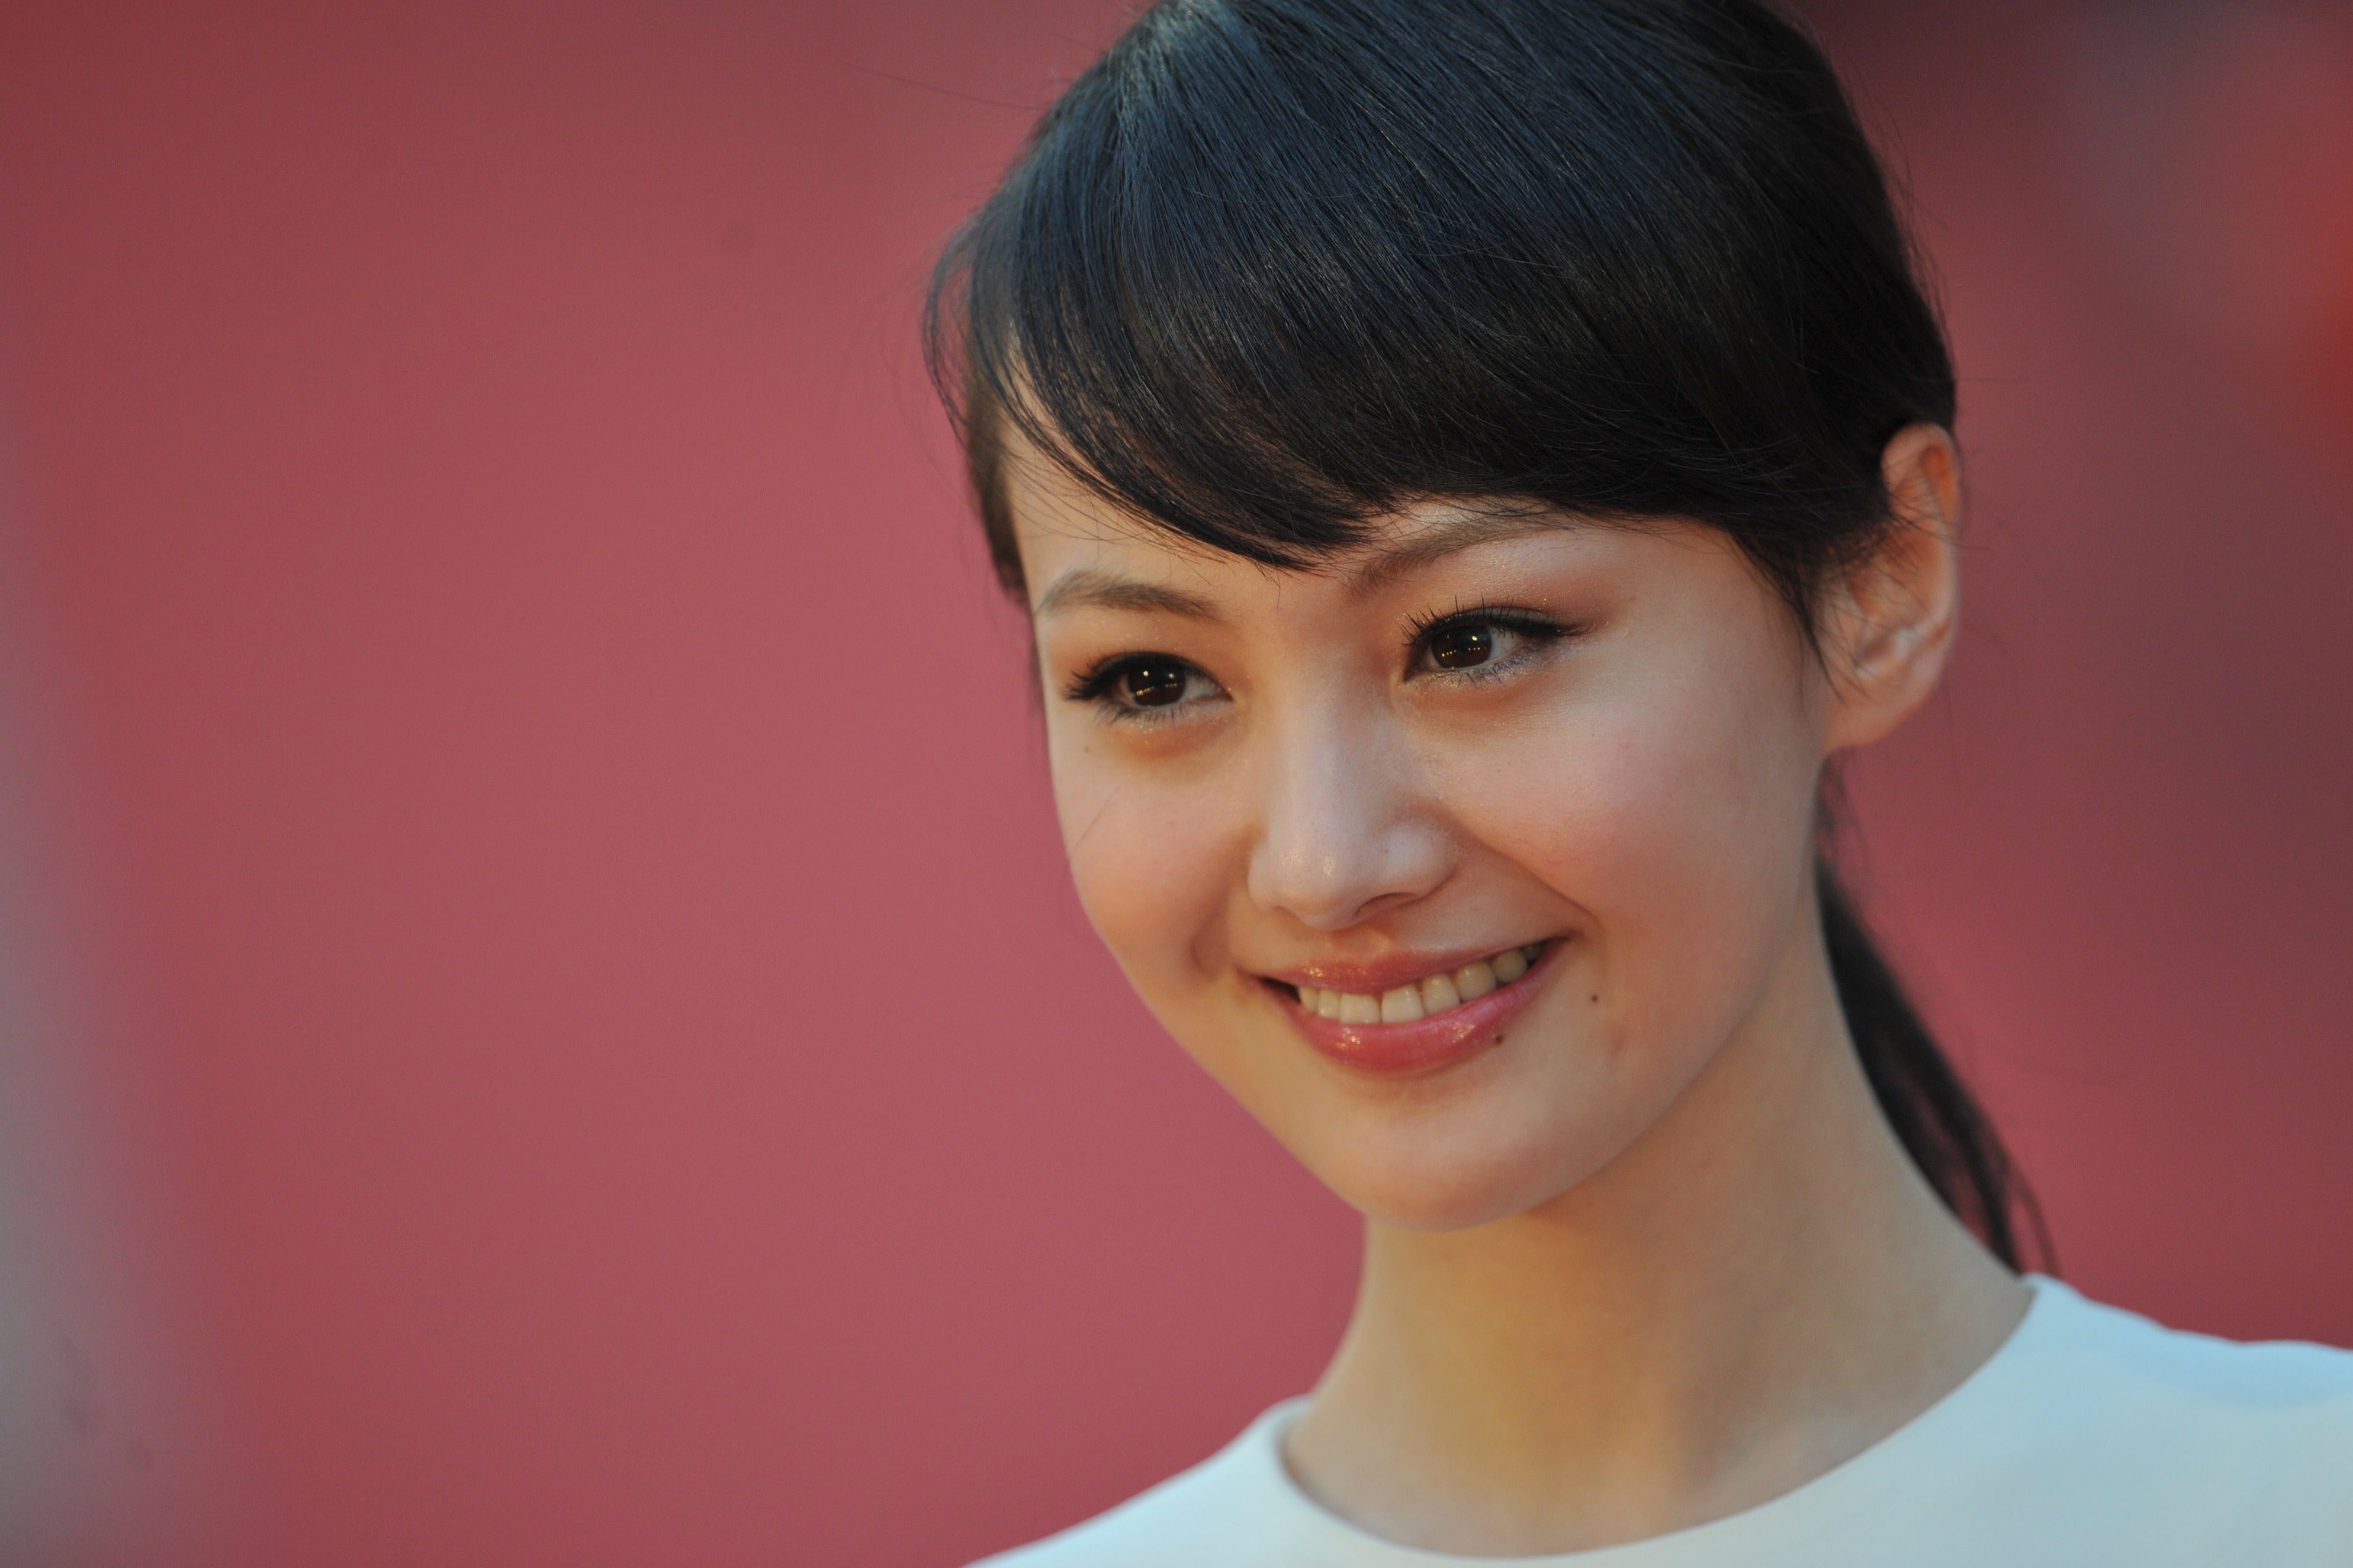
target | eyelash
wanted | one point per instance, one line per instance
(1540, 630)
(1094, 684)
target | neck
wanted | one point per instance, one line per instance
(1757, 1289)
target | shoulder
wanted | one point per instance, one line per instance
(2095, 1414)
(2130, 1357)
(1233, 1508)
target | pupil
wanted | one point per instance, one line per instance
(1156, 684)
(1460, 648)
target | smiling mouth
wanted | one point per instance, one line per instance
(1430, 997)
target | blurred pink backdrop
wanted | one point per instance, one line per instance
(560, 1036)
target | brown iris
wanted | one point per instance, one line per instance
(1154, 683)
(1462, 647)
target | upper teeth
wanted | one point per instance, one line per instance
(1409, 1004)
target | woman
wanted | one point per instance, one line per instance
(1473, 466)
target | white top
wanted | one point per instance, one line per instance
(2092, 1438)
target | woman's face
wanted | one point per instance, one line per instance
(1379, 788)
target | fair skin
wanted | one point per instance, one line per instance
(1646, 1253)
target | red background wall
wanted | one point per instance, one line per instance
(572, 1045)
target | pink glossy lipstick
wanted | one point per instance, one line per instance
(1408, 1013)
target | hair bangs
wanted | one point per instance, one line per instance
(1267, 271)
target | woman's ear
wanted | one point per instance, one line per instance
(1887, 623)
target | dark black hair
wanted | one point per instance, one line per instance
(1270, 268)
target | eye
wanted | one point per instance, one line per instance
(1143, 686)
(1153, 682)
(1464, 646)
(1477, 642)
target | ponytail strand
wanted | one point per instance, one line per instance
(1940, 1124)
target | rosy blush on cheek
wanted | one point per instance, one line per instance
(1153, 870)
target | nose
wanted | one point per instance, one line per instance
(1344, 833)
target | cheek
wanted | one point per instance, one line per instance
(1669, 829)
(1676, 818)
(1149, 858)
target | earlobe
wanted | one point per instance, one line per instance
(1890, 621)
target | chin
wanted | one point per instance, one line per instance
(1436, 1184)
(1496, 1136)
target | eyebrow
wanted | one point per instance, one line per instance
(1088, 587)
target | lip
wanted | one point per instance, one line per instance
(1404, 1050)
(1371, 976)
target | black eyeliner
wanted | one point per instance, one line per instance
(1527, 622)
(1095, 681)
(1094, 684)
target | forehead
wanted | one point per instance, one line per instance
(1058, 524)
(1079, 550)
